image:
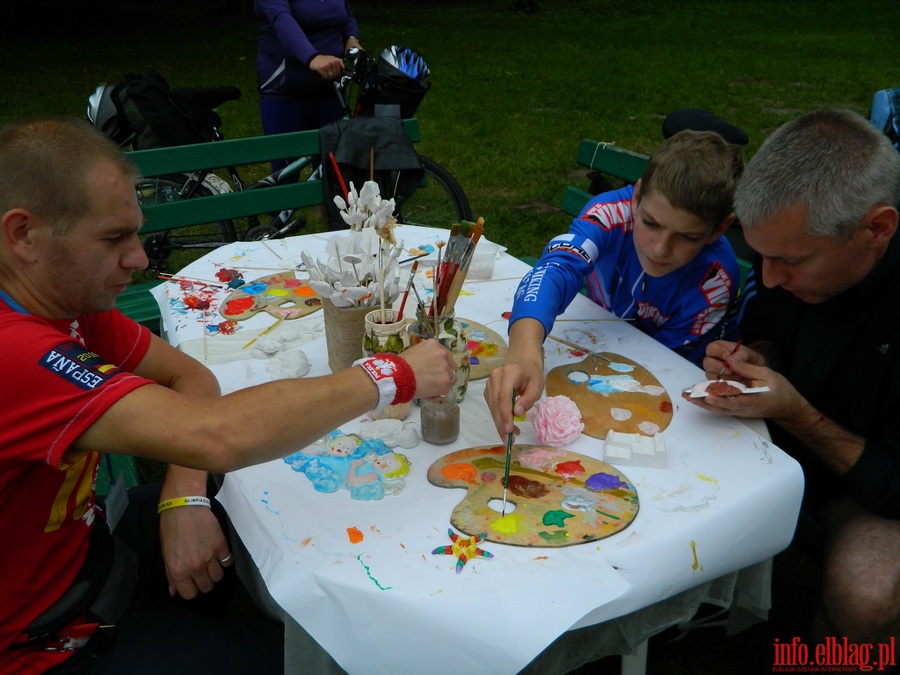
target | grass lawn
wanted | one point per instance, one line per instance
(513, 92)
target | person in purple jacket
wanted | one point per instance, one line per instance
(652, 253)
(300, 50)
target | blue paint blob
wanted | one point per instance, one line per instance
(253, 289)
(604, 384)
(621, 367)
(603, 481)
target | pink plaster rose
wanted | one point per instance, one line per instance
(556, 420)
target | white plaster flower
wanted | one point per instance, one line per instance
(361, 268)
(556, 421)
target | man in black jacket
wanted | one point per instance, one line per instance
(818, 203)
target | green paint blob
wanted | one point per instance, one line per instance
(556, 517)
(558, 537)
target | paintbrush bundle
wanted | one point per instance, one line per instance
(453, 265)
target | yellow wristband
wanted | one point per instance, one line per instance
(182, 501)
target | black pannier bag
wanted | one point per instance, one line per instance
(142, 111)
(354, 143)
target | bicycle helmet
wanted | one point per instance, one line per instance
(406, 61)
(104, 113)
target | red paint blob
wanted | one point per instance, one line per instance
(569, 469)
(238, 306)
(227, 275)
(196, 302)
(228, 327)
(665, 407)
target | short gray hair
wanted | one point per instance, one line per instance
(834, 163)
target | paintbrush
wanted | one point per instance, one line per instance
(509, 445)
(733, 352)
(412, 274)
(581, 349)
(272, 327)
(337, 173)
(415, 257)
(203, 282)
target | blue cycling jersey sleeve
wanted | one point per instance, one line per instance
(684, 310)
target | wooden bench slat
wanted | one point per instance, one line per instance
(605, 158)
(213, 208)
(236, 152)
(574, 200)
(612, 160)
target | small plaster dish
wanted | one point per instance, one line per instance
(722, 388)
(635, 449)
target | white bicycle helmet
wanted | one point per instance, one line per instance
(104, 114)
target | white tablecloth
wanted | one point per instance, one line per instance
(726, 500)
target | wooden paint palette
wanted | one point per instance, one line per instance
(560, 498)
(282, 295)
(487, 349)
(613, 392)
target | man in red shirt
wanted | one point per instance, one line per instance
(82, 379)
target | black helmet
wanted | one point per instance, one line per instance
(407, 61)
(104, 113)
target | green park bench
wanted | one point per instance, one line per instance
(137, 301)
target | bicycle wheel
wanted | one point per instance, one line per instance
(177, 248)
(439, 202)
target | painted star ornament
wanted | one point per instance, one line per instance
(464, 548)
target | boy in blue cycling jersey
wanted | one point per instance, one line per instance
(652, 253)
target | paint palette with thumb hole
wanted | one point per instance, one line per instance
(555, 497)
(722, 388)
(613, 393)
(281, 295)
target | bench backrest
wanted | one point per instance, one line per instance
(234, 152)
(608, 159)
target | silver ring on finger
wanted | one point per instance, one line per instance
(227, 559)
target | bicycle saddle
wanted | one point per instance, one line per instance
(206, 97)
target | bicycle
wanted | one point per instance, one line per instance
(439, 201)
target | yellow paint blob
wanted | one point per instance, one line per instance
(706, 478)
(508, 524)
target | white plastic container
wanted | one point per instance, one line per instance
(486, 254)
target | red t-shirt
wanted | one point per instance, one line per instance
(58, 378)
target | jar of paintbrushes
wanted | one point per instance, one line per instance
(449, 332)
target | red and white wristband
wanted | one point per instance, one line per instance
(392, 375)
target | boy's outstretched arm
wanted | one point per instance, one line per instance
(523, 371)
